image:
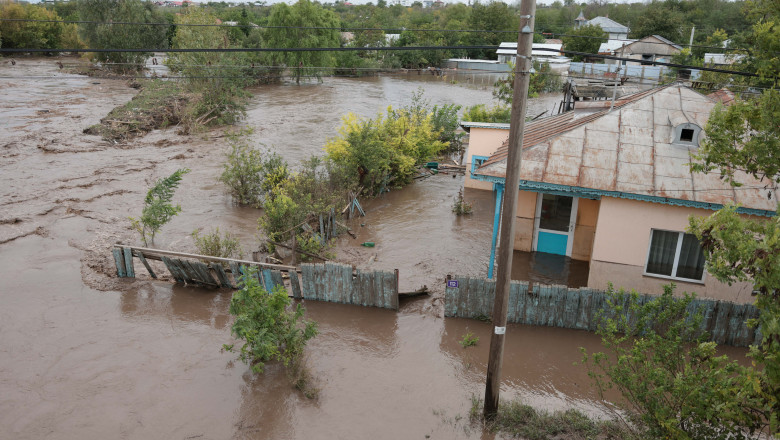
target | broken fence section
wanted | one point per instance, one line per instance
(323, 282)
(560, 306)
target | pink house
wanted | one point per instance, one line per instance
(614, 188)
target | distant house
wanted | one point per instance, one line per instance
(722, 59)
(542, 52)
(614, 188)
(652, 48)
(611, 46)
(615, 30)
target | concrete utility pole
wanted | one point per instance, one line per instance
(523, 70)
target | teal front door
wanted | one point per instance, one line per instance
(554, 224)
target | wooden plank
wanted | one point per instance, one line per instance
(173, 270)
(295, 285)
(378, 294)
(159, 252)
(267, 281)
(571, 308)
(129, 269)
(719, 334)
(450, 300)
(192, 275)
(583, 309)
(146, 265)
(319, 285)
(511, 307)
(307, 281)
(463, 297)
(221, 274)
(119, 260)
(394, 303)
(346, 281)
(277, 279)
(205, 273)
(338, 283)
(369, 288)
(236, 272)
(388, 290)
(531, 305)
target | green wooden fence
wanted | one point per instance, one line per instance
(322, 282)
(560, 306)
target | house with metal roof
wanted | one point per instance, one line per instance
(650, 48)
(611, 184)
(615, 30)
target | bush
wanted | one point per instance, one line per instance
(675, 384)
(249, 175)
(158, 209)
(383, 152)
(461, 207)
(479, 113)
(216, 245)
(271, 331)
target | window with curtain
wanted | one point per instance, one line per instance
(675, 255)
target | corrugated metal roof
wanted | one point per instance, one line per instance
(608, 25)
(629, 150)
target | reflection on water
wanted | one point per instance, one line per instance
(183, 303)
(544, 268)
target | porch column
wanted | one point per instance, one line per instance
(499, 187)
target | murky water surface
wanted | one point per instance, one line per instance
(85, 355)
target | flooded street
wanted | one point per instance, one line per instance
(84, 354)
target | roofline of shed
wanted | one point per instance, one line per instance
(596, 194)
(467, 125)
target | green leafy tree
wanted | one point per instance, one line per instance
(383, 151)
(285, 30)
(543, 80)
(480, 113)
(492, 16)
(674, 383)
(658, 19)
(271, 331)
(586, 39)
(249, 174)
(34, 35)
(158, 209)
(98, 32)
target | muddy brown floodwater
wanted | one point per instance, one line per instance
(86, 355)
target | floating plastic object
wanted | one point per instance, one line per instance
(368, 244)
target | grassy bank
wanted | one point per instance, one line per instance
(158, 104)
(523, 421)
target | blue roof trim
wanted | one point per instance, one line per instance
(596, 194)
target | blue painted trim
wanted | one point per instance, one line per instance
(596, 194)
(499, 188)
(474, 163)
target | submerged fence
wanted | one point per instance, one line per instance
(559, 306)
(322, 282)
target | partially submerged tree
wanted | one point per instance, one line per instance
(98, 31)
(304, 24)
(158, 209)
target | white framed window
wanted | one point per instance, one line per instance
(675, 255)
(477, 161)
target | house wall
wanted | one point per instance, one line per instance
(584, 230)
(482, 142)
(621, 243)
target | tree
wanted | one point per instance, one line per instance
(543, 80)
(248, 174)
(270, 331)
(98, 32)
(33, 35)
(586, 39)
(659, 20)
(493, 16)
(158, 209)
(287, 29)
(674, 383)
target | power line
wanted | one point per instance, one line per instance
(381, 48)
(348, 29)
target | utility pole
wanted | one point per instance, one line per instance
(690, 42)
(523, 70)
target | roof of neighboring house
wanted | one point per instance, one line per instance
(628, 152)
(581, 17)
(724, 96)
(722, 58)
(612, 45)
(608, 25)
(629, 46)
